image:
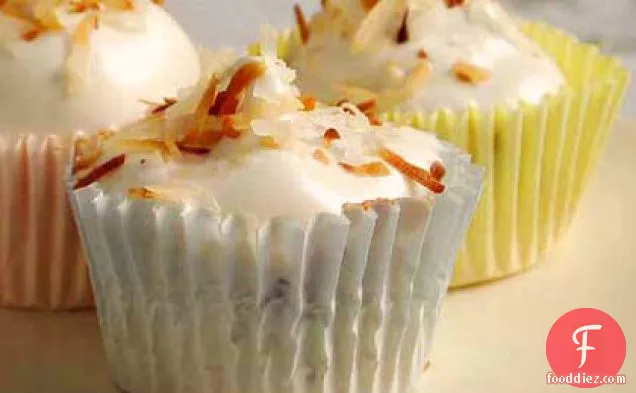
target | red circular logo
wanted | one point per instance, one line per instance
(586, 348)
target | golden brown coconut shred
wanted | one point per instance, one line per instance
(470, 73)
(369, 4)
(77, 60)
(455, 3)
(415, 173)
(41, 16)
(84, 6)
(217, 116)
(101, 171)
(303, 26)
(403, 32)
(372, 169)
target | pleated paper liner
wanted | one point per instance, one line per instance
(41, 264)
(193, 301)
(538, 157)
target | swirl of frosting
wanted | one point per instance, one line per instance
(68, 65)
(420, 55)
(243, 140)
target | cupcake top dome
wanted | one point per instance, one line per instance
(244, 141)
(420, 55)
(68, 65)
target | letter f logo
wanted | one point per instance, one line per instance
(583, 344)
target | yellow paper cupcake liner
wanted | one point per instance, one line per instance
(538, 158)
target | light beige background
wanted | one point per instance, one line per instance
(491, 338)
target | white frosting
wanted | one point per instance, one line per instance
(132, 56)
(241, 175)
(349, 47)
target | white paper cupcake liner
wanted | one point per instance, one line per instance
(41, 264)
(194, 301)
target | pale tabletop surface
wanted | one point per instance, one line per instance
(491, 339)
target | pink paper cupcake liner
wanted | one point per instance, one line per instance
(41, 263)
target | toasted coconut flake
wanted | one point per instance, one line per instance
(172, 147)
(370, 109)
(228, 128)
(381, 24)
(422, 54)
(156, 109)
(227, 102)
(87, 152)
(32, 34)
(470, 73)
(438, 171)
(330, 135)
(142, 193)
(101, 171)
(369, 4)
(455, 3)
(211, 137)
(374, 120)
(195, 150)
(369, 105)
(77, 62)
(303, 26)
(403, 32)
(269, 142)
(84, 6)
(231, 133)
(344, 105)
(418, 76)
(40, 17)
(143, 145)
(320, 155)
(309, 103)
(208, 139)
(82, 34)
(417, 174)
(206, 103)
(45, 14)
(119, 5)
(372, 169)
(159, 2)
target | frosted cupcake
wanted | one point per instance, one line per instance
(531, 104)
(244, 239)
(68, 66)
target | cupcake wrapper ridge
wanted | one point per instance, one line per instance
(195, 301)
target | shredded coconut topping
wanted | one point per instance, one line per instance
(395, 51)
(247, 123)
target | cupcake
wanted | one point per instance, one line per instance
(66, 67)
(247, 239)
(528, 102)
